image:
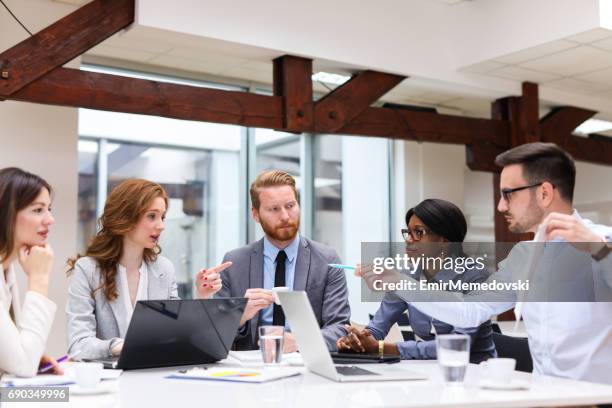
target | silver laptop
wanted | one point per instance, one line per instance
(317, 359)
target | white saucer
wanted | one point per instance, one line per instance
(105, 387)
(509, 386)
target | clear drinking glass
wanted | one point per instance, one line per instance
(453, 356)
(271, 344)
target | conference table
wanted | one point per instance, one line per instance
(151, 388)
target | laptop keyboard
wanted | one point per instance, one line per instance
(353, 370)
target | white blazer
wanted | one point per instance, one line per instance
(22, 342)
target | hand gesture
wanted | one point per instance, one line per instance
(573, 231)
(257, 299)
(208, 281)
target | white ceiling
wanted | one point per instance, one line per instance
(580, 65)
(148, 49)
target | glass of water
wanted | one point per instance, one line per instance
(453, 356)
(271, 344)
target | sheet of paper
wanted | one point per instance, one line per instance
(236, 374)
(39, 380)
(51, 379)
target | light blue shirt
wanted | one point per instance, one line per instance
(392, 307)
(269, 254)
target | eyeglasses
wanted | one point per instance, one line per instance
(507, 192)
(416, 234)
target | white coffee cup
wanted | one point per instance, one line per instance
(88, 374)
(277, 289)
(499, 370)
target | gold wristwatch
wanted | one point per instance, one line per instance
(381, 348)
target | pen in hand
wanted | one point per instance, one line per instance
(342, 266)
(49, 366)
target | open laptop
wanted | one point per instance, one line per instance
(317, 359)
(166, 333)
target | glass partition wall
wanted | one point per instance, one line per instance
(207, 169)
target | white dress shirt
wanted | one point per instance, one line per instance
(22, 342)
(124, 292)
(566, 339)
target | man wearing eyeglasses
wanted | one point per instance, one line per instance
(567, 337)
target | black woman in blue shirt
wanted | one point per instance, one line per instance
(437, 226)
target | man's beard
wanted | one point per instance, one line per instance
(281, 234)
(532, 217)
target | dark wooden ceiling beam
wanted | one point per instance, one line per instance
(293, 84)
(480, 155)
(529, 116)
(521, 114)
(596, 151)
(557, 127)
(426, 127)
(30, 72)
(338, 108)
(76, 88)
(558, 124)
(510, 110)
(61, 42)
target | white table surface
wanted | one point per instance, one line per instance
(149, 388)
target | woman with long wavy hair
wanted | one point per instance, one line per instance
(122, 265)
(25, 221)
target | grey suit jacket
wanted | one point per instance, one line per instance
(94, 323)
(326, 287)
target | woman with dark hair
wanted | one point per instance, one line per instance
(435, 228)
(122, 265)
(25, 219)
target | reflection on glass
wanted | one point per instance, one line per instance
(87, 195)
(277, 151)
(178, 171)
(202, 219)
(328, 191)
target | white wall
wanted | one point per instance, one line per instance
(479, 206)
(434, 170)
(593, 193)
(43, 140)
(430, 170)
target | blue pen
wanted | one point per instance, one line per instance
(341, 266)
